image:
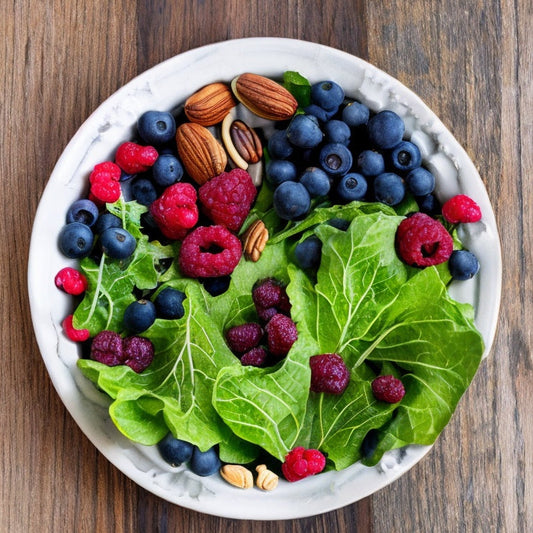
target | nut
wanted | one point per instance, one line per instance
(254, 240)
(238, 476)
(266, 479)
(210, 104)
(264, 97)
(241, 142)
(201, 154)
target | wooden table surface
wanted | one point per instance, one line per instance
(471, 62)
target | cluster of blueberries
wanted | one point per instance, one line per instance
(342, 151)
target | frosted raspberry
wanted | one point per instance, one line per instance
(301, 463)
(244, 337)
(255, 357)
(175, 211)
(328, 373)
(138, 353)
(226, 199)
(209, 251)
(423, 241)
(107, 348)
(76, 335)
(70, 280)
(281, 334)
(461, 208)
(388, 389)
(270, 297)
(133, 158)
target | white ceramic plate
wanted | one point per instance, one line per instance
(163, 87)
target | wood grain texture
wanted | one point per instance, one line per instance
(471, 62)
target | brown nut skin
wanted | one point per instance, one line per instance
(254, 240)
(210, 104)
(246, 141)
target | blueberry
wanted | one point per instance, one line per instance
(370, 443)
(169, 303)
(316, 181)
(307, 252)
(279, 146)
(389, 188)
(386, 129)
(107, 220)
(405, 157)
(144, 191)
(463, 265)
(139, 316)
(420, 181)
(280, 170)
(117, 243)
(321, 114)
(156, 127)
(370, 163)
(303, 131)
(83, 211)
(75, 240)
(216, 286)
(291, 200)
(335, 159)
(327, 94)
(337, 131)
(352, 186)
(175, 451)
(429, 204)
(167, 170)
(355, 114)
(205, 463)
(339, 223)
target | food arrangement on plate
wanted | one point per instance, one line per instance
(262, 288)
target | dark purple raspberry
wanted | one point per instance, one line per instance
(281, 335)
(138, 353)
(255, 357)
(423, 241)
(107, 348)
(270, 298)
(329, 373)
(244, 337)
(461, 208)
(209, 252)
(388, 389)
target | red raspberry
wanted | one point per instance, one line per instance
(138, 353)
(423, 241)
(175, 211)
(107, 348)
(107, 171)
(329, 373)
(133, 158)
(281, 334)
(300, 463)
(388, 389)
(255, 357)
(270, 298)
(104, 180)
(76, 335)
(244, 337)
(209, 252)
(227, 198)
(461, 208)
(72, 281)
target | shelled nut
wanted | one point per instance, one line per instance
(266, 479)
(210, 104)
(238, 476)
(254, 240)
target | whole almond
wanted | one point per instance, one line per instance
(201, 154)
(210, 104)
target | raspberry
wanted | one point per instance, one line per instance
(300, 463)
(107, 171)
(328, 373)
(133, 158)
(76, 335)
(388, 389)
(281, 334)
(107, 348)
(138, 353)
(104, 180)
(270, 298)
(209, 251)
(72, 281)
(244, 337)
(227, 198)
(461, 208)
(255, 357)
(423, 241)
(175, 211)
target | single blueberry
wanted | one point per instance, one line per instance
(389, 188)
(370, 163)
(75, 240)
(139, 316)
(84, 211)
(352, 186)
(316, 181)
(303, 131)
(327, 94)
(321, 114)
(307, 252)
(280, 170)
(216, 286)
(405, 156)
(144, 191)
(420, 181)
(107, 220)
(279, 146)
(291, 200)
(167, 170)
(355, 114)
(335, 159)
(386, 129)
(169, 303)
(156, 127)
(175, 451)
(370, 443)
(429, 204)
(117, 243)
(205, 463)
(339, 223)
(337, 131)
(463, 265)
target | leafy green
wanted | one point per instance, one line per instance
(298, 86)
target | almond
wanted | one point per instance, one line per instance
(264, 97)
(238, 476)
(210, 104)
(201, 154)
